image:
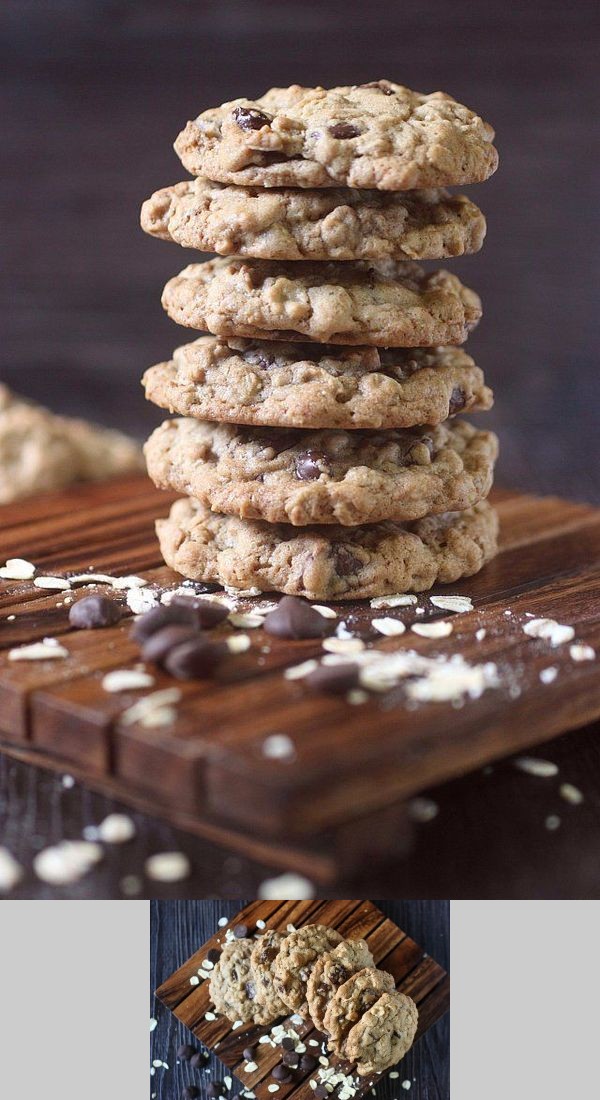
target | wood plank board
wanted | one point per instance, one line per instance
(333, 804)
(415, 973)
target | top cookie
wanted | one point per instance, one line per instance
(378, 135)
(297, 956)
(338, 224)
(384, 1034)
(355, 997)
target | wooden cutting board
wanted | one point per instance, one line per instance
(343, 799)
(415, 973)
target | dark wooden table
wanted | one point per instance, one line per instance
(178, 928)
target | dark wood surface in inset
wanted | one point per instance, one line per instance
(333, 809)
(415, 972)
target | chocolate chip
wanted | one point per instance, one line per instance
(213, 955)
(321, 1092)
(199, 1059)
(248, 118)
(293, 618)
(345, 562)
(94, 611)
(291, 1058)
(311, 464)
(308, 1063)
(240, 931)
(207, 612)
(190, 1092)
(344, 130)
(249, 1053)
(288, 1044)
(194, 660)
(458, 400)
(159, 617)
(380, 86)
(251, 990)
(333, 679)
(281, 1073)
(185, 1052)
(215, 1088)
(159, 644)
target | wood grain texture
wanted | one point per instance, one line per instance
(331, 808)
(415, 971)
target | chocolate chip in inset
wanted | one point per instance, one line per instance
(458, 400)
(291, 1058)
(198, 1059)
(191, 1092)
(240, 931)
(185, 1052)
(293, 618)
(207, 613)
(194, 660)
(94, 611)
(321, 1093)
(308, 1063)
(249, 1053)
(213, 955)
(380, 86)
(311, 464)
(333, 679)
(344, 130)
(288, 1044)
(159, 644)
(345, 562)
(248, 118)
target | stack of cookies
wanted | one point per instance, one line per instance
(316, 974)
(317, 445)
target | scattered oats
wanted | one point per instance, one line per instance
(265, 1039)
(508, 613)
(296, 672)
(552, 822)
(131, 885)
(140, 600)
(300, 1047)
(392, 601)
(223, 921)
(47, 650)
(10, 618)
(326, 612)
(549, 630)
(229, 936)
(167, 866)
(342, 630)
(533, 765)
(394, 1075)
(288, 886)
(239, 643)
(144, 708)
(313, 1042)
(162, 716)
(153, 1023)
(439, 629)
(272, 1088)
(390, 627)
(419, 610)
(406, 1085)
(260, 924)
(228, 1082)
(323, 1061)
(452, 680)
(313, 1084)
(17, 569)
(232, 591)
(292, 928)
(548, 675)
(480, 634)
(357, 697)
(250, 1067)
(422, 809)
(582, 652)
(571, 794)
(343, 645)
(126, 679)
(237, 1024)
(67, 861)
(116, 829)
(157, 1063)
(194, 980)
(11, 872)
(209, 1016)
(278, 746)
(203, 974)
(457, 604)
(128, 582)
(68, 782)
(249, 619)
(54, 584)
(207, 965)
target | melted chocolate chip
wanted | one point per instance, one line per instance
(94, 611)
(344, 130)
(293, 618)
(311, 464)
(458, 400)
(333, 679)
(345, 563)
(380, 86)
(248, 118)
(195, 659)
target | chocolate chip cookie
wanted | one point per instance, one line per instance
(330, 972)
(295, 960)
(288, 475)
(316, 386)
(232, 987)
(332, 563)
(385, 303)
(264, 953)
(380, 135)
(384, 1034)
(350, 1002)
(339, 224)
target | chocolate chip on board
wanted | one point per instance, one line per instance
(308, 1063)
(195, 659)
(213, 955)
(159, 644)
(94, 611)
(288, 1043)
(333, 679)
(185, 1052)
(240, 931)
(321, 1092)
(291, 1058)
(199, 614)
(200, 1058)
(294, 618)
(208, 612)
(248, 1054)
(281, 1073)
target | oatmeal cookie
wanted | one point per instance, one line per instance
(297, 956)
(331, 971)
(232, 988)
(264, 953)
(384, 1034)
(350, 1002)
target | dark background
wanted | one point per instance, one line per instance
(178, 928)
(96, 91)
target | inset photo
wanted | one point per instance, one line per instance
(299, 998)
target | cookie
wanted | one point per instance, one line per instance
(330, 972)
(351, 1000)
(378, 135)
(315, 386)
(332, 563)
(339, 224)
(263, 955)
(384, 1034)
(41, 452)
(287, 475)
(297, 956)
(232, 987)
(385, 303)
